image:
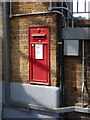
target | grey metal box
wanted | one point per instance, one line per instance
(71, 47)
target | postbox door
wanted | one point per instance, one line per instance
(40, 58)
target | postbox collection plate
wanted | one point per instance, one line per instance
(39, 55)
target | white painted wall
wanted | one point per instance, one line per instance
(35, 94)
(47, 96)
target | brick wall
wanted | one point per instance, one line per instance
(73, 79)
(87, 71)
(73, 82)
(77, 116)
(19, 39)
(19, 52)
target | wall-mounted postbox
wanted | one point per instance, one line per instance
(39, 55)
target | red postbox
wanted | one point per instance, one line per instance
(39, 55)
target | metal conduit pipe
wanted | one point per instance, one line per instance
(39, 13)
(28, 14)
(67, 13)
(50, 6)
(83, 77)
(54, 11)
(53, 8)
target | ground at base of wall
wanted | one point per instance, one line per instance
(10, 113)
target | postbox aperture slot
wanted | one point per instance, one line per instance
(39, 36)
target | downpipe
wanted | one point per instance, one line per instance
(69, 11)
(6, 51)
